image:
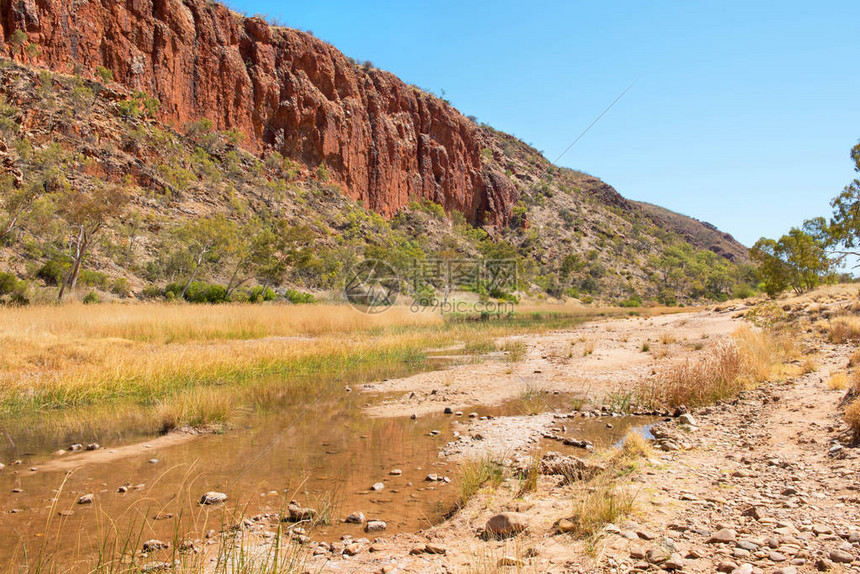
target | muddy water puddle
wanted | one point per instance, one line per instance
(326, 458)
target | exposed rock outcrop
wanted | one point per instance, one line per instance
(386, 142)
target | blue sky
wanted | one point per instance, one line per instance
(742, 115)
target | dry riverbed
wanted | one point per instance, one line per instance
(763, 483)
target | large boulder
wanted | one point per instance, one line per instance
(506, 524)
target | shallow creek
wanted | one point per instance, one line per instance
(327, 460)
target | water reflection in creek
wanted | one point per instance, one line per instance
(327, 460)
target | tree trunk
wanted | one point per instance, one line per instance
(193, 274)
(71, 279)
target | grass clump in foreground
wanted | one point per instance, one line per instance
(476, 474)
(844, 329)
(207, 408)
(837, 382)
(115, 545)
(728, 367)
(607, 498)
(852, 411)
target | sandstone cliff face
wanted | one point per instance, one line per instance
(388, 143)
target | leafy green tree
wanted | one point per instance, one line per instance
(797, 260)
(842, 233)
(207, 241)
(86, 214)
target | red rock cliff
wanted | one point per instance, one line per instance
(387, 142)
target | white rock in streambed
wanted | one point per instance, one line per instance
(375, 526)
(211, 498)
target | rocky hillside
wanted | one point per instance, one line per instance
(386, 142)
(294, 168)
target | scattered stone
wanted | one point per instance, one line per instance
(506, 524)
(841, 557)
(352, 549)
(675, 562)
(724, 536)
(570, 467)
(396, 472)
(449, 411)
(743, 569)
(211, 498)
(645, 534)
(297, 513)
(154, 544)
(86, 499)
(375, 526)
(122, 489)
(564, 525)
(76, 447)
(656, 556)
(377, 486)
(93, 446)
(753, 512)
(687, 419)
(355, 518)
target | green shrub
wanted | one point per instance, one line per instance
(92, 298)
(323, 173)
(104, 74)
(198, 292)
(94, 279)
(53, 271)
(498, 293)
(633, 301)
(260, 294)
(743, 291)
(298, 297)
(152, 292)
(120, 287)
(12, 290)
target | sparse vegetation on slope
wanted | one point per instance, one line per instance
(198, 209)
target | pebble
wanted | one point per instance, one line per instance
(375, 526)
(355, 518)
(154, 544)
(840, 556)
(724, 536)
(86, 499)
(211, 498)
(378, 486)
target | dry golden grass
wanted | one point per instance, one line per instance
(196, 409)
(837, 382)
(60, 356)
(75, 354)
(476, 474)
(852, 417)
(668, 338)
(844, 329)
(635, 445)
(722, 371)
(854, 359)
